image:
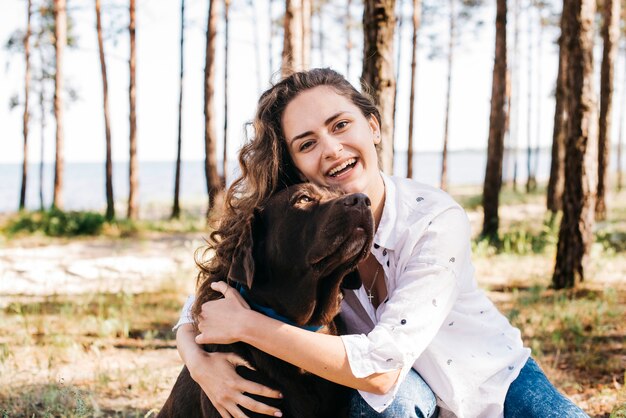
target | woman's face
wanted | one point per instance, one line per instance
(332, 143)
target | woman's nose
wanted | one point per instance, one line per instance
(332, 147)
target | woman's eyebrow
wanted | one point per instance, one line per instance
(326, 122)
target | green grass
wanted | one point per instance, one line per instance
(56, 223)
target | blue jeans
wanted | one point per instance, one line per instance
(413, 400)
(532, 395)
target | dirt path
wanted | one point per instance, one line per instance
(90, 265)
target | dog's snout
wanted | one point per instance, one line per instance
(357, 199)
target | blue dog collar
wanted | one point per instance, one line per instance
(271, 312)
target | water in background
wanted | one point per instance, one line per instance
(84, 187)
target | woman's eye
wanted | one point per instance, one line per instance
(340, 125)
(306, 145)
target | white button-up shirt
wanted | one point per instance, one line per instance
(435, 318)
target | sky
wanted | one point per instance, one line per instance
(158, 40)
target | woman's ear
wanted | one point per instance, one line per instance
(375, 127)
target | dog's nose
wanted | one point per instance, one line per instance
(357, 199)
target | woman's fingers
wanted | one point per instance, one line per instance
(229, 292)
(221, 287)
(236, 360)
(223, 412)
(254, 388)
(258, 407)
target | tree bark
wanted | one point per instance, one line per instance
(292, 41)
(446, 129)
(210, 137)
(133, 166)
(417, 12)
(22, 203)
(539, 111)
(610, 39)
(60, 40)
(497, 127)
(621, 138)
(378, 75)
(110, 210)
(42, 123)
(575, 234)
(271, 37)
(179, 145)
(515, 94)
(400, 42)
(257, 49)
(306, 34)
(348, 36)
(225, 150)
(557, 162)
(530, 178)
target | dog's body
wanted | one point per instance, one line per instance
(302, 247)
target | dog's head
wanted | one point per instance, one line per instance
(298, 250)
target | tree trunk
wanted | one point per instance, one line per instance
(621, 137)
(417, 12)
(26, 109)
(257, 48)
(610, 39)
(210, 137)
(378, 74)
(399, 21)
(176, 205)
(60, 40)
(530, 179)
(446, 130)
(497, 127)
(348, 36)
(292, 41)
(110, 211)
(539, 110)
(271, 37)
(557, 162)
(42, 124)
(133, 165)
(225, 150)
(575, 234)
(515, 94)
(306, 34)
(320, 35)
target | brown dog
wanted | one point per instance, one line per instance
(301, 249)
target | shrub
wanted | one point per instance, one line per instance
(57, 223)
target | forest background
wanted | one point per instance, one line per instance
(102, 206)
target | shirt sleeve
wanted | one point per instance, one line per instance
(426, 288)
(185, 313)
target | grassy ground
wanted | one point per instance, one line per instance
(106, 354)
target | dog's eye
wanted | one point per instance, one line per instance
(304, 199)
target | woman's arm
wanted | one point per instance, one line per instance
(227, 320)
(216, 375)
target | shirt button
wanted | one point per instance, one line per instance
(403, 321)
(384, 252)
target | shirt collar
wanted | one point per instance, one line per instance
(385, 236)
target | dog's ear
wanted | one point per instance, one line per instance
(242, 264)
(351, 280)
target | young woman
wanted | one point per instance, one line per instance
(418, 325)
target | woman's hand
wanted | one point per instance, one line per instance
(216, 375)
(219, 318)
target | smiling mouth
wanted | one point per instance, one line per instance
(342, 168)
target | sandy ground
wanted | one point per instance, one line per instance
(89, 265)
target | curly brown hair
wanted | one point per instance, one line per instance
(266, 167)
